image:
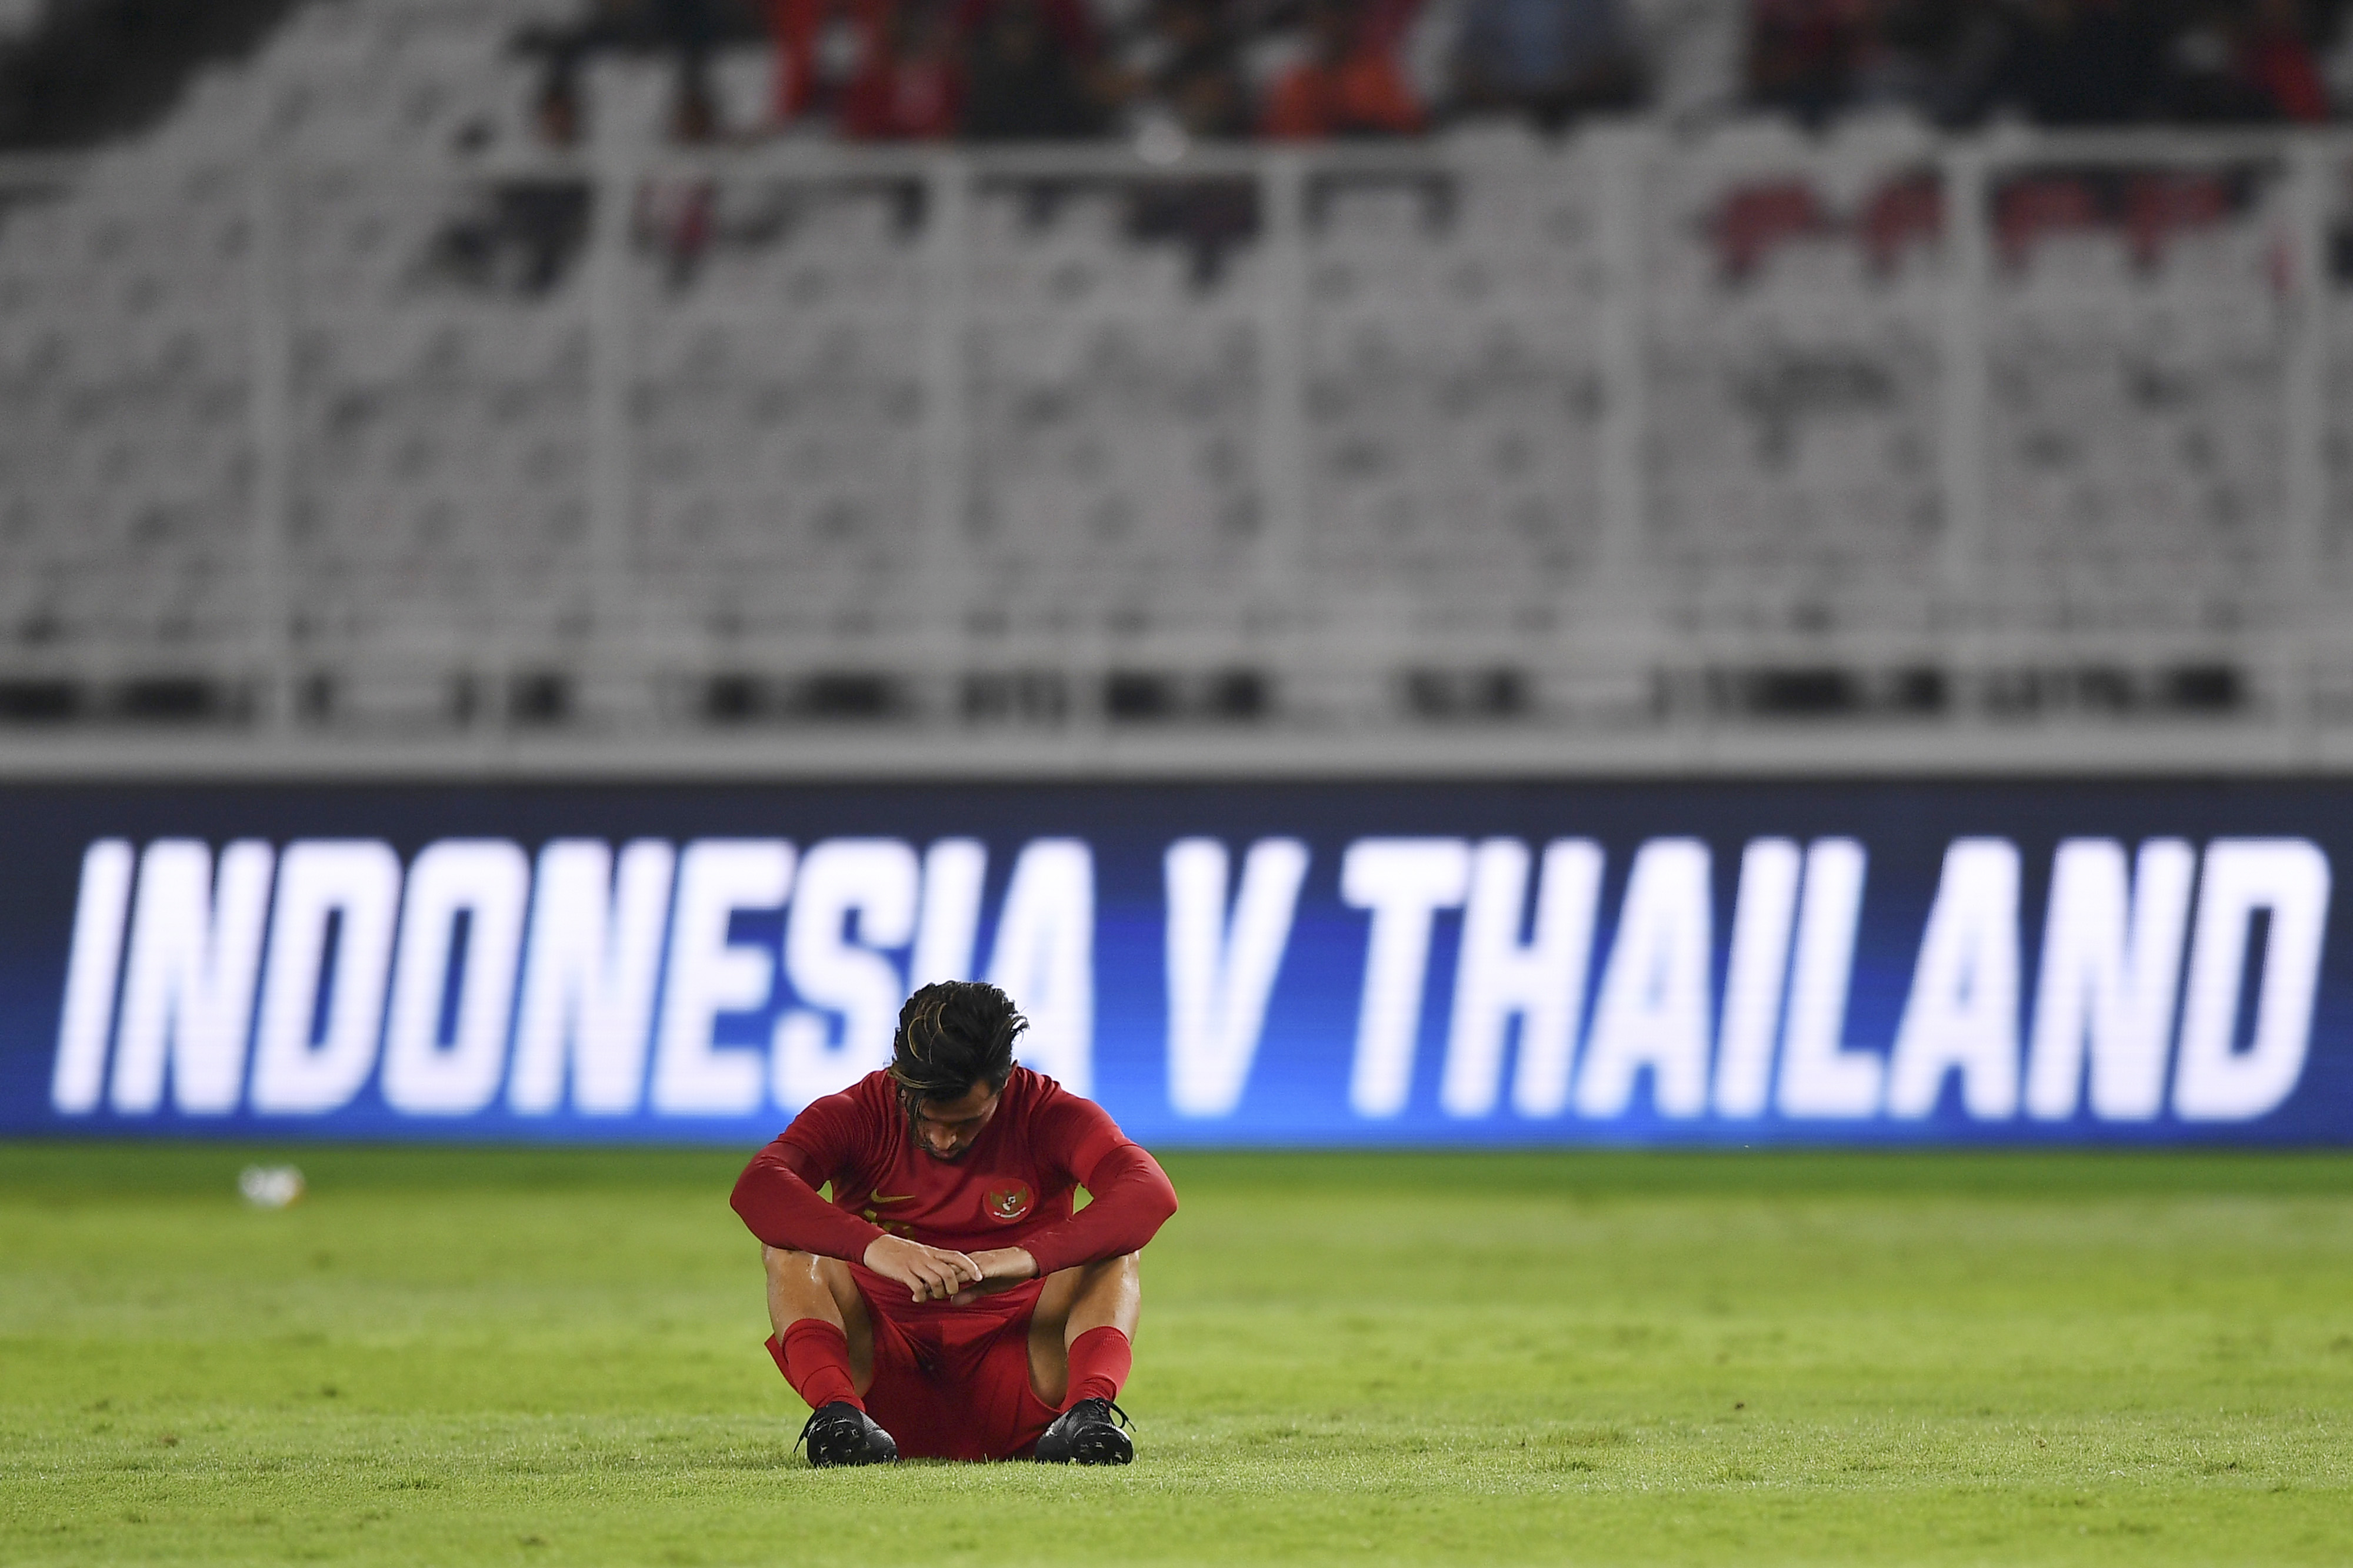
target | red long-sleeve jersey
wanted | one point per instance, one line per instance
(1011, 1188)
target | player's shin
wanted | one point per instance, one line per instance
(1101, 1360)
(814, 1356)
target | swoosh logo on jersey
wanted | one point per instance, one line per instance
(877, 1195)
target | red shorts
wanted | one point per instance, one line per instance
(952, 1378)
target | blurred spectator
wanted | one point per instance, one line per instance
(689, 29)
(2275, 60)
(2080, 62)
(797, 31)
(1902, 56)
(1803, 55)
(1351, 84)
(2244, 64)
(1025, 75)
(1939, 57)
(1070, 21)
(1554, 60)
(2202, 83)
(1186, 69)
(1189, 70)
(911, 86)
(2054, 62)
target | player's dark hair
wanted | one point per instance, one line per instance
(954, 1034)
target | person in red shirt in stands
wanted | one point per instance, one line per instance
(946, 1302)
(910, 82)
(2276, 60)
(797, 27)
(1352, 83)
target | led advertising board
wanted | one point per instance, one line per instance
(1221, 964)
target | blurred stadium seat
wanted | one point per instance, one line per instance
(333, 406)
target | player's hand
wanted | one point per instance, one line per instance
(1003, 1265)
(931, 1273)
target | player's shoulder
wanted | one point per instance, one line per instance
(872, 1099)
(1029, 1087)
(1031, 1093)
(877, 1093)
(1060, 1123)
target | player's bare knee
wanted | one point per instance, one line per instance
(833, 1275)
(1124, 1272)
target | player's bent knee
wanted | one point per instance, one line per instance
(799, 1274)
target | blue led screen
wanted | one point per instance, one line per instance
(1299, 963)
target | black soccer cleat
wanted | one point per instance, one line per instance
(1087, 1433)
(842, 1434)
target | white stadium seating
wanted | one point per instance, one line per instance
(334, 406)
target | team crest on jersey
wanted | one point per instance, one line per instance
(1007, 1202)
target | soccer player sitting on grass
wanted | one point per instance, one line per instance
(948, 1303)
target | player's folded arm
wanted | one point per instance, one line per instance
(779, 1202)
(1130, 1198)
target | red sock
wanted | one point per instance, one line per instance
(1099, 1361)
(814, 1356)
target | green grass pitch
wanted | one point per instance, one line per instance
(453, 1357)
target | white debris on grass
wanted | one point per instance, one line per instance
(270, 1186)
